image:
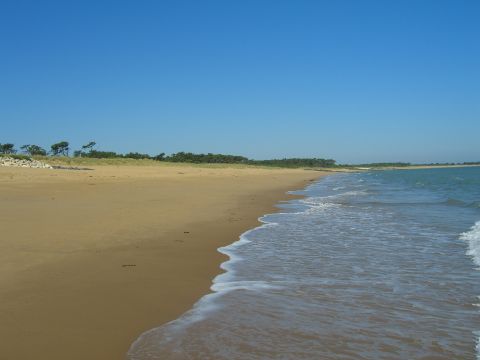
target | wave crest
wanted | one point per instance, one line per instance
(472, 237)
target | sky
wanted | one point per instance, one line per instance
(356, 81)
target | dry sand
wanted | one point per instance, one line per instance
(91, 259)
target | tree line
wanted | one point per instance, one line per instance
(88, 150)
(295, 162)
(58, 149)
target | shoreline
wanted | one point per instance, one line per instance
(224, 268)
(152, 257)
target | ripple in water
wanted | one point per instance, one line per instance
(367, 266)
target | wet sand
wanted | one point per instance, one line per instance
(91, 259)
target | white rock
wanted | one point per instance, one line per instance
(9, 161)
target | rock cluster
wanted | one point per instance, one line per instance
(9, 161)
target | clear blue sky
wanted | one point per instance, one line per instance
(357, 81)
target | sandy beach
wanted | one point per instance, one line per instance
(91, 259)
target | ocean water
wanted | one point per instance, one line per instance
(375, 265)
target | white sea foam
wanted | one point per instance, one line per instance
(477, 346)
(472, 238)
(314, 200)
(317, 208)
(243, 285)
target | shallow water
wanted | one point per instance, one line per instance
(377, 265)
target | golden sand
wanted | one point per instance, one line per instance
(91, 259)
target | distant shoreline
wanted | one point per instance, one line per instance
(413, 167)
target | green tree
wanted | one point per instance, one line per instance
(7, 149)
(159, 157)
(33, 150)
(295, 162)
(60, 148)
(89, 147)
(96, 154)
(136, 155)
(206, 158)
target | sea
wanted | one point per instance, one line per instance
(371, 265)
